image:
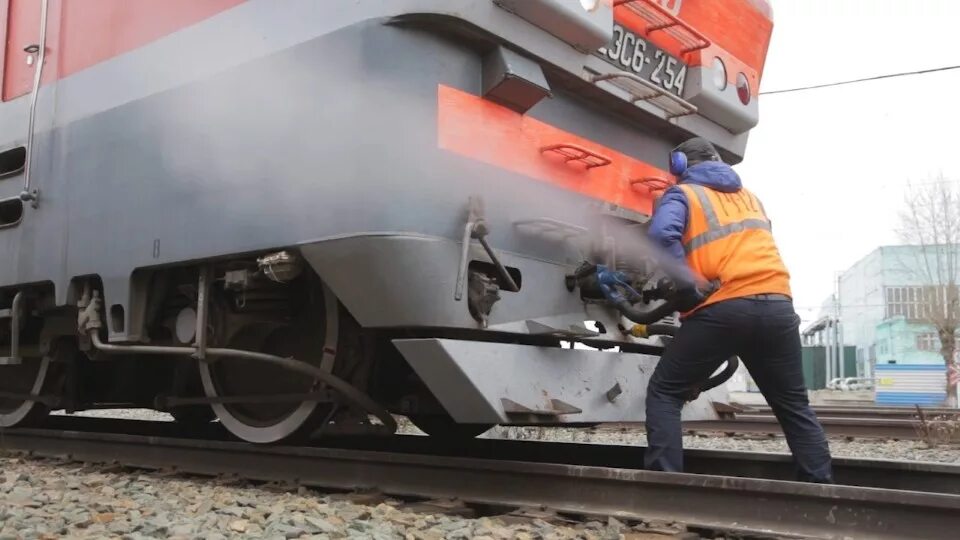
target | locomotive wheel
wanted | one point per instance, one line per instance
(35, 375)
(441, 426)
(187, 382)
(28, 378)
(311, 337)
(193, 415)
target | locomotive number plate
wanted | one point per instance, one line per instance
(634, 54)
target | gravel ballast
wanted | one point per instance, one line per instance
(45, 499)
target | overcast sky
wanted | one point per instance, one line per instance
(831, 165)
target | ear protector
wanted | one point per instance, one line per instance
(678, 163)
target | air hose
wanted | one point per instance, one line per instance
(647, 330)
(599, 281)
(733, 363)
(645, 317)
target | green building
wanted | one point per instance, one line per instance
(899, 341)
(815, 365)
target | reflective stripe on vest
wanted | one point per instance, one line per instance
(715, 231)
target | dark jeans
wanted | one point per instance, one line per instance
(763, 333)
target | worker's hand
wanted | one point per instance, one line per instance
(689, 298)
(709, 287)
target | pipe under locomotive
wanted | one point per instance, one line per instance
(305, 219)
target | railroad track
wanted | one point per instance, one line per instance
(867, 428)
(897, 423)
(723, 492)
(856, 411)
(760, 424)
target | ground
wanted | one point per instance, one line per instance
(44, 499)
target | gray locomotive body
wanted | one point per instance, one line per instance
(275, 179)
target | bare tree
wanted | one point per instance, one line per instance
(931, 220)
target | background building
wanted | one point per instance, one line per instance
(877, 309)
(899, 341)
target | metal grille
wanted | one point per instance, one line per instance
(643, 90)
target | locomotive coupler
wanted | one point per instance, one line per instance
(597, 282)
(618, 288)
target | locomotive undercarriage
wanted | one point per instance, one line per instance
(280, 309)
(262, 344)
(292, 321)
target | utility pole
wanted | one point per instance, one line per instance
(838, 329)
(828, 347)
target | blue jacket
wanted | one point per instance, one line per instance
(670, 216)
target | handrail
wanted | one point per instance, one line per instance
(650, 92)
(661, 19)
(651, 183)
(573, 153)
(32, 195)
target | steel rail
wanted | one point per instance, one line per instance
(908, 475)
(868, 428)
(849, 411)
(840, 420)
(764, 507)
(861, 428)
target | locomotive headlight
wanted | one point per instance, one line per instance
(590, 5)
(743, 88)
(719, 74)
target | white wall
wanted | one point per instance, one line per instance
(862, 301)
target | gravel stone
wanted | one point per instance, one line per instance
(233, 511)
(238, 525)
(462, 533)
(184, 529)
(320, 525)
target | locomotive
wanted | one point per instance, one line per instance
(302, 217)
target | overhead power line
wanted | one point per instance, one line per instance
(875, 78)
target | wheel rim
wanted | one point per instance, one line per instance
(266, 423)
(28, 377)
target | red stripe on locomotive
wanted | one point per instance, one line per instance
(83, 34)
(480, 129)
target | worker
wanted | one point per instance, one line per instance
(720, 233)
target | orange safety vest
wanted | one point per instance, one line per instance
(728, 238)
